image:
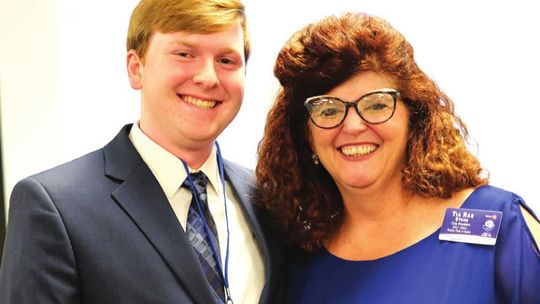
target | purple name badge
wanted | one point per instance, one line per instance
(471, 226)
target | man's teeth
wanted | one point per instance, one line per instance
(358, 150)
(204, 104)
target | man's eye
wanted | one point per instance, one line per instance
(226, 61)
(185, 54)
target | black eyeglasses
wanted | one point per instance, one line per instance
(375, 107)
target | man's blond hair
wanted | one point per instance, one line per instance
(197, 16)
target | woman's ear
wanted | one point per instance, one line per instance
(314, 156)
(309, 138)
(135, 69)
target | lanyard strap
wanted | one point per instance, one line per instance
(224, 275)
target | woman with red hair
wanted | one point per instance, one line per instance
(364, 165)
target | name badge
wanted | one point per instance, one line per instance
(471, 226)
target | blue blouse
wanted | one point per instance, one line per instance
(431, 271)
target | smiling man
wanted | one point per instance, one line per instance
(156, 216)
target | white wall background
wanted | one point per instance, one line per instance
(64, 89)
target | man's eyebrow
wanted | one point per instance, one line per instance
(182, 43)
(230, 50)
(224, 50)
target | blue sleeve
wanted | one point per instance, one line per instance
(517, 260)
(38, 264)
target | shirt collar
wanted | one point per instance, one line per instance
(167, 168)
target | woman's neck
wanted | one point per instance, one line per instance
(379, 223)
(374, 203)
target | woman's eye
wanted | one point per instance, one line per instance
(377, 106)
(328, 112)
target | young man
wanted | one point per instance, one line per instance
(114, 226)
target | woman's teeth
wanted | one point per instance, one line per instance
(358, 150)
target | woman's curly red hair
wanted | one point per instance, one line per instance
(303, 197)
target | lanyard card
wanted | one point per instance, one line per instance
(471, 226)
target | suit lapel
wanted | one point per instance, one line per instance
(142, 198)
(244, 192)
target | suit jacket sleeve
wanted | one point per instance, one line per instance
(42, 268)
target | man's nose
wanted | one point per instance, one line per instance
(206, 74)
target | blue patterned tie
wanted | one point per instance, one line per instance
(199, 239)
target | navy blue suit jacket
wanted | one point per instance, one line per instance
(100, 229)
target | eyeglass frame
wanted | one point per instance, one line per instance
(348, 104)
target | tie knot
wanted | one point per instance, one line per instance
(200, 181)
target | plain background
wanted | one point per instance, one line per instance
(64, 89)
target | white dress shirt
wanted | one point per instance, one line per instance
(246, 268)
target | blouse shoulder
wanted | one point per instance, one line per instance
(493, 198)
(517, 256)
(510, 204)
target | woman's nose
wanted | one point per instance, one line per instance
(353, 122)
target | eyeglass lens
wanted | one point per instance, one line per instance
(329, 112)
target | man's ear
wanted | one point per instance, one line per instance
(135, 69)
